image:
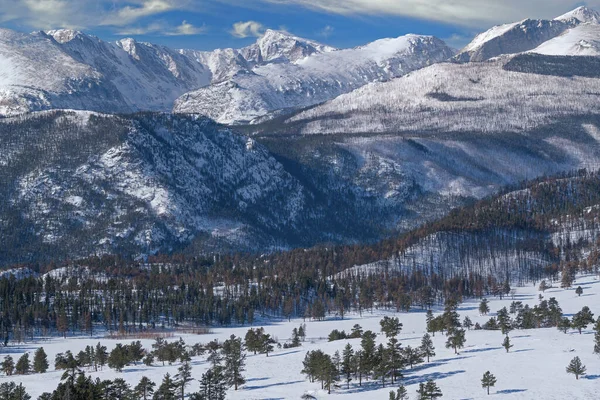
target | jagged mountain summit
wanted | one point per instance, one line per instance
(550, 36)
(311, 80)
(71, 70)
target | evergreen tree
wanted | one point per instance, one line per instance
(428, 391)
(400, 394)
(12, 391)
(266, 343)
(101, 355)
(381, 364)
(412, 356)
(184, 377)
(564, 325)
(135, 352)
(467, 323)
(456, 339)
(356, 332)
(394, 358)
(427, 348)
(390, 326)
(8, 365)
(118, 358)
(582, 319)
(506, 343)
(369, 347)
(579, 291)
(212, 386)
(23, 366)
(488, 381)
(504, 322)
(119, 389)
(144, 389)
(234, 361)
(166, 390)
(576, 368)
(40, 361)
(429, 322)
(597, 337)
(347, 363)
(253, 340)
(484, 308)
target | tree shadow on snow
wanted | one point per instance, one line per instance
(522, 350)
(432, 376)
(284, 354)
(271, 385)
(257, 379)
(592, 377)
(481, 350)
(510, 391)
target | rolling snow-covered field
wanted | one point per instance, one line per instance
(534, 368)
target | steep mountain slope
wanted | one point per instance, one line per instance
(83, 183)
(312, 79)
(561, 36)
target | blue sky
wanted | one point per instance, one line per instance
(209, 24)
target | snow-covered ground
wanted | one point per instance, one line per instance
(534, 369)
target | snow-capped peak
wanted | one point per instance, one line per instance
(581, 14)
(280, 45)
(64, 35)
(129, 46)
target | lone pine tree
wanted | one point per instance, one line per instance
(506, 343)
(576, 368)
(427, 348)
(488, 381)
(40, 361)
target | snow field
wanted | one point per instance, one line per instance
(534, 368)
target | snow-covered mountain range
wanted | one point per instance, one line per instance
(69, 69)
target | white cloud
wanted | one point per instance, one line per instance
(247, 29)
(480, 13)
(186, 29)
(82, 14)
(327, 31)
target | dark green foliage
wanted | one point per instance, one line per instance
(428, 391)
(212, 386)
(23, 366)
(506, 344)
(144, 389)
(488, 381)
(427, 348)
(456, 339)
(336, 335)
(390, 326)
(576, 368)
(12, 391)
(166, 390)
(40, 361)
(582, 319)
(8, 365)
(234, 361)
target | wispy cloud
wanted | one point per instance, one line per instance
(327, 31)
(85, 14)
(163, 29)
(479, 13)
(247, 29)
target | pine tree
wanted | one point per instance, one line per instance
(23, 366)
(427, 348)
(412, 356)
(381, 364)
(579, 291)
(564, 325)
(597, 337)
(576, 368)
(101, 355)
(184, 377)
(253, 340)
(212, 385)
(400, 394)
(368, 346)
(504, 321)
(488, 381)
(347, 363)
(484, 308)
(582, 319)
(266, 344)
(8, 365)
(234, 361)
(429, 322)
(390, 326)
(456, 339)
(433, 391)
(506, 343)
(40, 361)
(166, 390)
(394, 358)
(118, 358)
(10, 391)
(135, 352)
(144, 389)
(467, 323)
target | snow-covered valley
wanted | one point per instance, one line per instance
(533, 369)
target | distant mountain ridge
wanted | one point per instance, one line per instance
(66, 69)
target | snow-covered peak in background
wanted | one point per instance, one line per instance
(313, 79)
(529, 34)
(64, 35)
(583, 40)
(581, 14)
(281, 46)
